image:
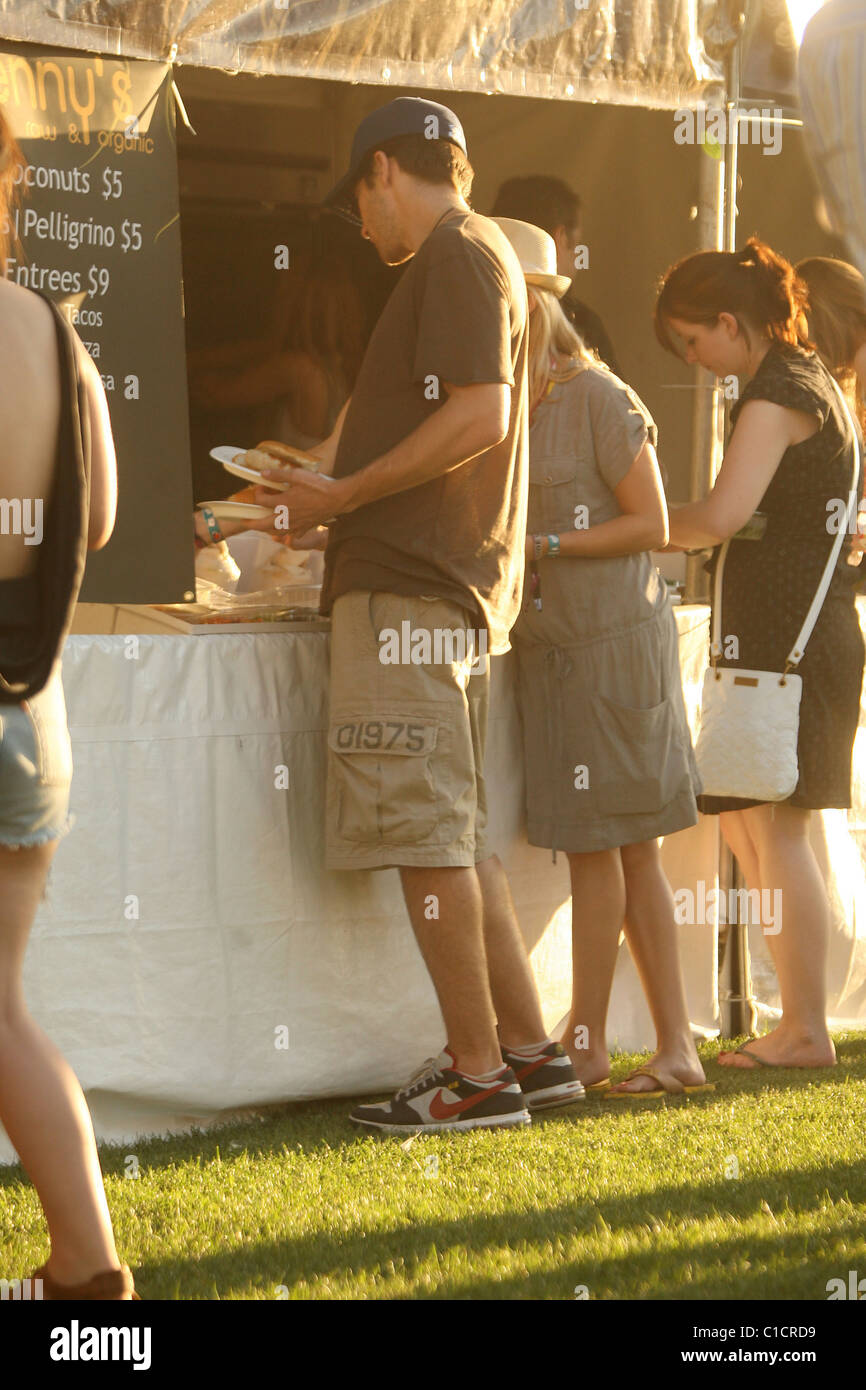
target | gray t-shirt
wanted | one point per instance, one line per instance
(585, 436)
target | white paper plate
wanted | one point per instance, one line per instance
(238, 511)
(252, 475)
(227, 453)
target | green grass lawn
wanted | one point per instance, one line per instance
(755, 1191)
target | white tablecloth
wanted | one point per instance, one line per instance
(189, 920)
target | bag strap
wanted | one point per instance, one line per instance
(795, 656)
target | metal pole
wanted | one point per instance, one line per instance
(707, 419)
(740, 1008)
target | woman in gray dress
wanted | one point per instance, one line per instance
(609, 761)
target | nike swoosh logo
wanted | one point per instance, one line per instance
(440, 1111)
(529, 1067)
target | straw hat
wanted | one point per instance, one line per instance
(536, 251)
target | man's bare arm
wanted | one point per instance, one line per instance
(473, 419)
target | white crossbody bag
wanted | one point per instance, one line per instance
(747, 744)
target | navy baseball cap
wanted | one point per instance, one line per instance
(402, 116)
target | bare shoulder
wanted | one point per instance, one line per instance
(23, 304)
(28, 341)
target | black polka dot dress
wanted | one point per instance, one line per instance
(769, 584)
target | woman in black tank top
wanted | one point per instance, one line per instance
(42, 1106)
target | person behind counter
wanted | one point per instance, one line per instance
(429, 496)
(42, 1106)
(607, 751)
(790, 455)
(297, 379)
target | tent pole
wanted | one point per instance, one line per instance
(740, 1007)
(707, 419)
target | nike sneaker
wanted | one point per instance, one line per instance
(439, 1098)
(546, 1078)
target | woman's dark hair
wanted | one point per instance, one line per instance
(12, 167)
(836, 313)
(319, 312)
(836, 310)
(432, 161)
(760, 288)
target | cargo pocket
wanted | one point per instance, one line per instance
(384, 788)
(641, 762)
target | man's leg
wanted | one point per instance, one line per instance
(512, 983)
(402, 793)
(452, 945)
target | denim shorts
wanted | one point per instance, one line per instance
(35, 769)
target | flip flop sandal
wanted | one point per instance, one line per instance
(771, 1066)
(106, 1285)
(598, 1088)
(747, 1052)
(670, 1086)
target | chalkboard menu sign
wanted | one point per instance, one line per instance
(98, 229)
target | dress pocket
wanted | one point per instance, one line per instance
(639, 762)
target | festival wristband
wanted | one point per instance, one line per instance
(553, 545)
(210, 522)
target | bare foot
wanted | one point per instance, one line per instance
(782, 1049)
(589, 1067)
(688, 1070)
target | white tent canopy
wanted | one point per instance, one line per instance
(655, 53)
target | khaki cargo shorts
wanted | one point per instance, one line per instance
(405, 740)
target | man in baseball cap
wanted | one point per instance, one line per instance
(423, 576)
(403, 116)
